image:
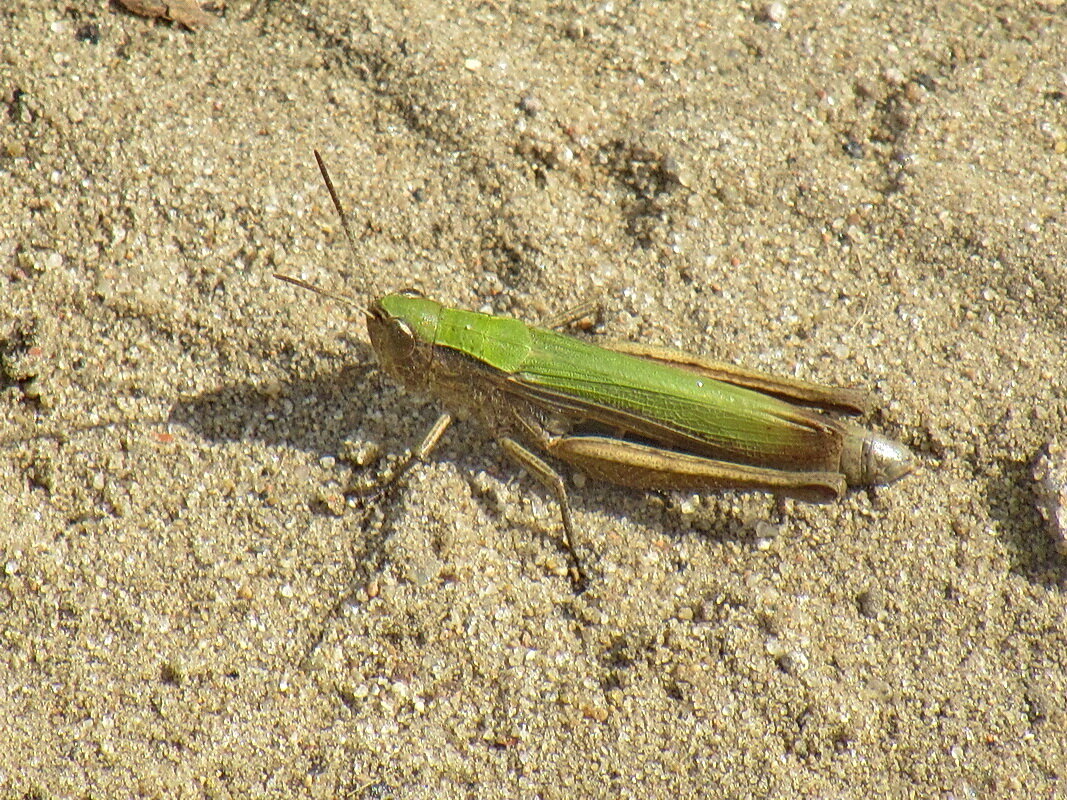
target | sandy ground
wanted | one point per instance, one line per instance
(856, 193)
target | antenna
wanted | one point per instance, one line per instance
(337, 205)
(313, 288)
(348, 235)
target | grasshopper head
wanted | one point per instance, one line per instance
(402, 328)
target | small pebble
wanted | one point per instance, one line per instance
(775, 13)
(894, 76)
(530, 105)
(767, 530)
(793, 662)
(871, 602)
(596, 713)
(331, 502)
(577, 29)
(362, 454)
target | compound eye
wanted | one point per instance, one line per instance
(409, 292)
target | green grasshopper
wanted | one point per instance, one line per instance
(635, 415)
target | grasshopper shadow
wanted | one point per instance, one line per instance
(317, 412)
(320, 412)
(314, 414)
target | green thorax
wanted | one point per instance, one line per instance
(500, 342)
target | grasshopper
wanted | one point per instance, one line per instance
(635, 415)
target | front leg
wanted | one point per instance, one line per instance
(409, 459)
